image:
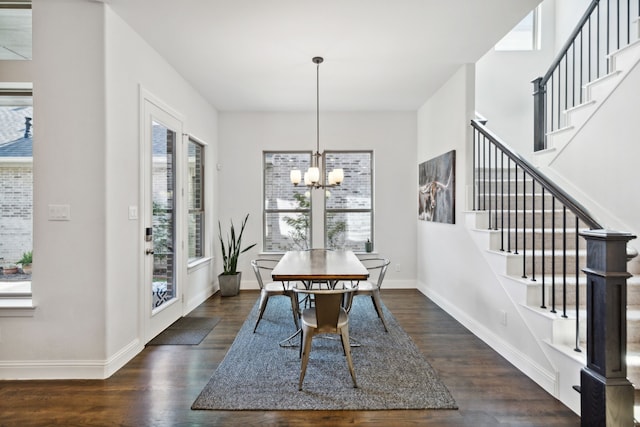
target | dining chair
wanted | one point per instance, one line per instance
(377, 268)
(327, 315)
(268, 288)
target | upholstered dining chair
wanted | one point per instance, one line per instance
(377, 269)
(327, 315)
(268, 288)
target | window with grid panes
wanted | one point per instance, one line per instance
(349, 206)
(286, 208)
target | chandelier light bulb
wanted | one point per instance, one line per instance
(295, 176)
(314, 175)
(338, 175)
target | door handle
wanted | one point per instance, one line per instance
(149, 252)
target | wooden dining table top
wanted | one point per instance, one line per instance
(319, 264)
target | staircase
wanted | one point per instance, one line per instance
(595, 93)
(530, 237)
(554, 331)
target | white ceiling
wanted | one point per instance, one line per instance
(255, 55)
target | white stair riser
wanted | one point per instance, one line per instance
(510, 240)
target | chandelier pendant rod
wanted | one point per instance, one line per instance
(317, 179)
(318, 60)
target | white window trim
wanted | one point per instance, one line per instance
(16, 304)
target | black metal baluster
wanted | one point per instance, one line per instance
(484, 173)
(502, 201)
(544, 271)
(524, 224)
(489, 182)
(533, 230)
(473, 162)
(553, 255)
(618, 25)
(475, 167)
(577, 294)
(589, 51)
(628, 21)
(598, 40)
(509, 204)
(581, 62)
(515, 233)
(608, 35)
(495, 158)
(566, 84)
(553, 91)
(573, 76)
(564, 261)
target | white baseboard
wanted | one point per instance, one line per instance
(199, 298)
(544, 378)
(121, 358)
(68, 369)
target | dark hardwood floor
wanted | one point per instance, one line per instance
(158, 386)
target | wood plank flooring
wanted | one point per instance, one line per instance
(159, 385)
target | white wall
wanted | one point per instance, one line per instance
(392, 136)
(86, 71)
(132, 64)
(567, 14)
(451, 270)
(504, 92)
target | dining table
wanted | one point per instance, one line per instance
(318, 266)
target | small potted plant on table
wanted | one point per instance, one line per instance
(229, 279)
(26, 261)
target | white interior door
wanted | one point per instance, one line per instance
(162, 287)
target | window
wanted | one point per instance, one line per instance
(287, 208)
(15, 30)
(16, 189)
(195, 166)
(349, 206)
(524, 36)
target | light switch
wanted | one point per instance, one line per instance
(59, 213)
(133, 212)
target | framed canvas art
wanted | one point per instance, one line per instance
(436, 189)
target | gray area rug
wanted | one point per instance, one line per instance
(258, 374)
(186, 331)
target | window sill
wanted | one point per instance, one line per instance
(199, 263)
(16, 306)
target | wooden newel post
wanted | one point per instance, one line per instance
(539, 115)
(606, 395)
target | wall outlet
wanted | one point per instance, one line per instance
(503, 318)
(398, 267)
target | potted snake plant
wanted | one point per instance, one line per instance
(229, 279)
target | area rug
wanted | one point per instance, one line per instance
(186, 331)
(258, 374)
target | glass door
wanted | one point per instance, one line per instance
(163, 294)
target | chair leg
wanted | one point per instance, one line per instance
(295, 309)
(307, 335)
(377, 303)
(344, 333)
(264, 297)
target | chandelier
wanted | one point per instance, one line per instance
(314, 176)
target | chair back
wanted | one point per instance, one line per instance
(262, 269)
(328, 304)
(377, 269)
